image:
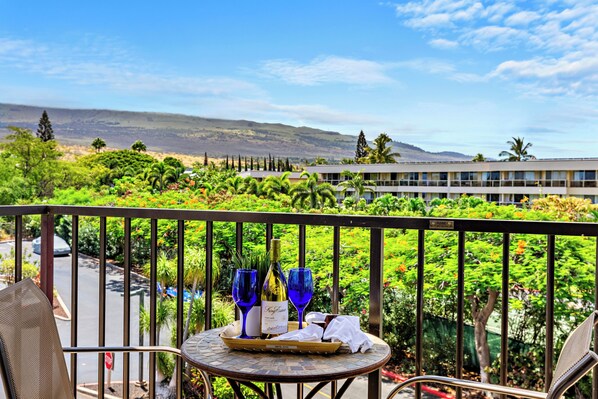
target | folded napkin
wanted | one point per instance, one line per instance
(310, 333)
(346, 329)
(312, 317)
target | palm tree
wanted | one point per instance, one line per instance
(479, 158)
(98, 143)
(312, 194)
(139, 146)
(253, 186)
(160, 174)
(356, 183)
(381, 153)
(233, 185)
(274, 185)
(518, 150)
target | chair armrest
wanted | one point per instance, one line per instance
(135, 349)
(455, 382)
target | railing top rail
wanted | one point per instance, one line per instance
(391, 222)
(15, 210)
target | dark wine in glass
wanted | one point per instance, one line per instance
(301, 289)
(245, 294)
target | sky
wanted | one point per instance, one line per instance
(459, 75)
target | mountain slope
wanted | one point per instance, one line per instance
(185, 134)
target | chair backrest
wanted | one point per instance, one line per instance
(575, 360)
(31, 358)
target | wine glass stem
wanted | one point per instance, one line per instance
(300, 314)
(243, 333)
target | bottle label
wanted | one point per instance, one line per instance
(275, 317)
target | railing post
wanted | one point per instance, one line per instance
(550, 242)
(46, 271)
(504, 323)
(460, 309)
(74, 298)
(153, 304)
(102, 306)
(419, 315)
(375, 314)
(595, 373)
(209, 274)
(18, 248)
(180, 304)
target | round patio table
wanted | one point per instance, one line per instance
(207, 352)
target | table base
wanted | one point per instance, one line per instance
(268, 393)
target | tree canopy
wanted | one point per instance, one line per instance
(97, 144)
(518, 150)
(44, 128)
(139, 146)
(361, 151)
(381, 152)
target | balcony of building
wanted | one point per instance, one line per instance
(380, 231)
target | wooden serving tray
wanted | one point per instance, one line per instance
(229, 334)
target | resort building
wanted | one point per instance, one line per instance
(496, 181)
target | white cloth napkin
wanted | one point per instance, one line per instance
(310, 333)
(314, 317)
(346, 329)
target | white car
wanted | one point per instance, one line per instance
(60, 246)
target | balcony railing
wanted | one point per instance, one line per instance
(479, 183)
(375, 225)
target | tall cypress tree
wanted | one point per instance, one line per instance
(251, 162)
(239, 164)
(362, 146)
(205, 159)
(44, 129)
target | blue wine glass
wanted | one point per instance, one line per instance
(245, 294)
(301, 289)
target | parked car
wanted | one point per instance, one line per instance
(60, 246)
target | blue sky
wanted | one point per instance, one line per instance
(460, 75)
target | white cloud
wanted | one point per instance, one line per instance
(444, 44)
(428, 65)
(99, 66)
(329, 69)
(492, 38)
(555, 43)
(522, 18)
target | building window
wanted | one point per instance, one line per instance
(495, 175)
(443, 176)
(466, 176)
(393, 176)
(492, 197)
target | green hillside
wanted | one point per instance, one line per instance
(195, 135)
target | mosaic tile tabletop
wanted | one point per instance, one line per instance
(207, 352)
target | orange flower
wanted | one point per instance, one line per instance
(519, 215)
(489, 215)
(402, 268)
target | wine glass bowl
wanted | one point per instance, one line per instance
(245, 289)
(301, 289)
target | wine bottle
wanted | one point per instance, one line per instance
(275, 304)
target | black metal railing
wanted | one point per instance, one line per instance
(376, 226)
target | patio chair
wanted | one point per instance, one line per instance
(32, 360)
(575, 360)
